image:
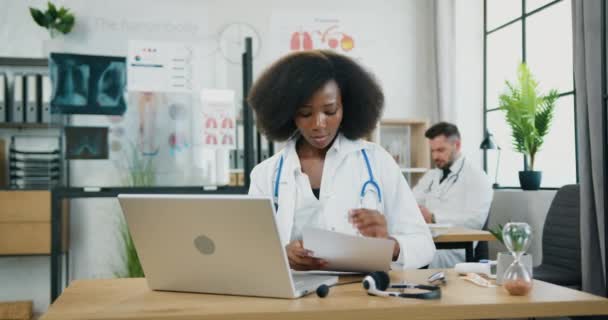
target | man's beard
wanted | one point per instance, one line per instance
(448, 165)
(450, 162)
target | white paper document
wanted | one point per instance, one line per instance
(438, 229)
(349, 253)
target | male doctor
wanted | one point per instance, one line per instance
(455, 192)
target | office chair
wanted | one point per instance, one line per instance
(561, 242)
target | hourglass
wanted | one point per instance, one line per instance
(517, 237)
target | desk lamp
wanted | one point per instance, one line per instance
(488, 143)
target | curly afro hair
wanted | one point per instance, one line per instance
(292, 80)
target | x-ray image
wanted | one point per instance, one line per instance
(111, 85)
(72, 83)
(86, 143)
(84, 84)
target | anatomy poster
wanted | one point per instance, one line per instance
(156, 133)
(292, 32)
(218, 119)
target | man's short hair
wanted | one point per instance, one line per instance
(442, 128)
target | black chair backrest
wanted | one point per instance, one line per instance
(561, 233)
(481, 251)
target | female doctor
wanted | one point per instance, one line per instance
(326, 176)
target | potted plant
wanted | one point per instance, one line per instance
(529, 114)
(141, 173)
(54, 20)
(505, 258)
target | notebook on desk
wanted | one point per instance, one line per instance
(223, 244)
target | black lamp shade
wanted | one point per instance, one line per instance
(488, 143)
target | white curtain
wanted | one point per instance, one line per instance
(456, 68)
(444, 58)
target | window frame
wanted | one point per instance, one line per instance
(486, 33)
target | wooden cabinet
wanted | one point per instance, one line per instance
(25, 222)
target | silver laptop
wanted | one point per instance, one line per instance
(223, 244)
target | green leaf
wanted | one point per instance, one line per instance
(49, 19)
(132, 265)
(62, 12)
(66, 24)
(527, 112)
(52, 10)
(38, 17)
(52, 19)
(497, 233)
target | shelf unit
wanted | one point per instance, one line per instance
(11, 66)
(49, 230)
(404, 139)
(25, 126)
(23, 62)
(25, 214)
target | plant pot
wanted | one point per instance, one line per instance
(530, 180)
(504, 260)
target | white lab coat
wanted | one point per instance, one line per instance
(463, 199)
(344, 173)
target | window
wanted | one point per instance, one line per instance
(538, 32)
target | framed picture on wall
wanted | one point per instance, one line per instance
(86, 84)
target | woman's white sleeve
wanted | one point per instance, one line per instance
(404, 220)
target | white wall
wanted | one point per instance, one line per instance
(468, 76)
(399, 58)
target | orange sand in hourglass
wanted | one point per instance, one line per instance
(518, 287)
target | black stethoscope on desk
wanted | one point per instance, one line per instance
(444, 187)
(371, 181)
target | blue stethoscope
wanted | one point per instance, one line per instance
(370, 182)
(446, 186)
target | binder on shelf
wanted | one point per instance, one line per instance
(46, 99)
(3, 98)
(31, 93)
(17, 103)
(3, 164)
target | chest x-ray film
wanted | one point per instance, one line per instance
(86, 143)
(85, 84)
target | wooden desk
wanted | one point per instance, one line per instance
(460, 238)
(131, 299)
